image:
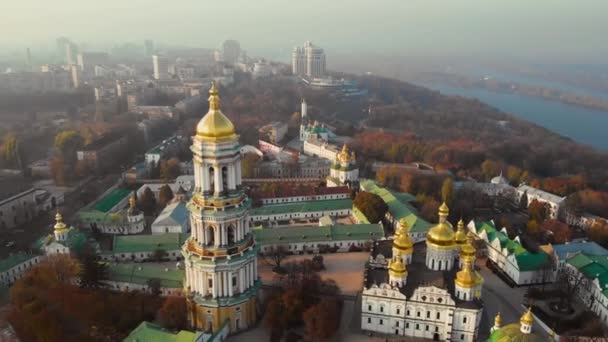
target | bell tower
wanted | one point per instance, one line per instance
(220, 257)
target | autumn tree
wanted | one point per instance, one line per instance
(538, 211)
(169, 169)
(322, 319)
(92, 272)
(429, 209)
(371, 205)
(274, 256)
(598, 232)
(447, 191)
(248, 163)
(172, 314)
(147, 202)
(165, 195)
(560, 231)
(11, 152)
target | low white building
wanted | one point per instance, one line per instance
(304, 194)
(145, 247)
(313, 239)
(173, 219)
(18, 209)
(311, 210)
(144, 277)
(553, 202)
(523, 267)
(167, 147)
(593, 290)
(14, 267)
(317, 148)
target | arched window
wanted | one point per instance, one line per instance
(231, 234)
(210, 236)
(211, 178)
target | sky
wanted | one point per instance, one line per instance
(566, 30)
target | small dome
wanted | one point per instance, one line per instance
(215, 126)
(461, 235)
(59, 225)
(527, 317)
(402, 240)
(344, 156)
(466, 278)
(442, 234)
(397, 268)
(497, 320)
(467, 251)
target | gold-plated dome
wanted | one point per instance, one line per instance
(397, 268)
(461, 235)
(497, 320)
(344, 156)
(527, 317)
(467, 251)
(215, 126)
(132, 202)
(402, 240)
(466, 278)
(59, 225)
(441, 235)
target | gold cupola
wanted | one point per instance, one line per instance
(527, 317)
(59, 224)
(397, 268)
(466, 278)
(441, 236)
(215, 126)
(497, 320)
(402, 241)
(460, 238)
(344, 155)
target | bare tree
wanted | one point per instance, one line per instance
(570, 281)
(274, 255)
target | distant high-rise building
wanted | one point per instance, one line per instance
(229, 52)
(148, 47)
(308, 60)
(88, 60)
(75, 71)
(161, 67)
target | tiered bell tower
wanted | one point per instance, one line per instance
(220, 257)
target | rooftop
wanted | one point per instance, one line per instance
(150, 332)
(296, 190)
(547, 196)
(318, 234)
(593, 267)
(307, 206)
(174, 213)
(110, 200)
(141, 273)
(398, 206)
(103, 141)
(14, 260)
(147, 243)
(590, 248)
(526, 260)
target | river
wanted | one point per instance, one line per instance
(586, 126)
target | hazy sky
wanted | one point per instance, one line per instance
(570, 30)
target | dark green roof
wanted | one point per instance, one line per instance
(14, 260)
(593, 267)
(110, 200)
(148, 243)
(149, 332)
(398, 208)
(141, 273)
(526, 260)
(318, 234)
(512, 333)
(76, 240)
(298, 207)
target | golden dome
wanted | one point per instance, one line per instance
(402, 240)
(497, 320)
(59, 225)
(442, 234)
(466, 278)
(461, 235)
(527, 317)
(215, 126)
(344, 155)
(397, 268)
(468, 251)
(132, 202)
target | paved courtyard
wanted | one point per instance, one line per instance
(345, 268)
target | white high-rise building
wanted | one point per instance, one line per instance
(308, 60)
(161, 67)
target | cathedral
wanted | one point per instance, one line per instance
(429, 291)
(220, 257)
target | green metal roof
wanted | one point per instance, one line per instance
(593, 267)
(141, 273)
(360, 216)
(298, 207)
(526, 261)
(14, 260)
(399, 209)
(148, 243)
(149, 332)
(111, 200)
(318, 234)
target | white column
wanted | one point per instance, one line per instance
(218, 235)
(238, 172)
(203, 283)
(229, 174)
(246, 276)
(225, 284)
(241, 280)
(250, 265)
(230, 289)
(255, 269)
(218, 178)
